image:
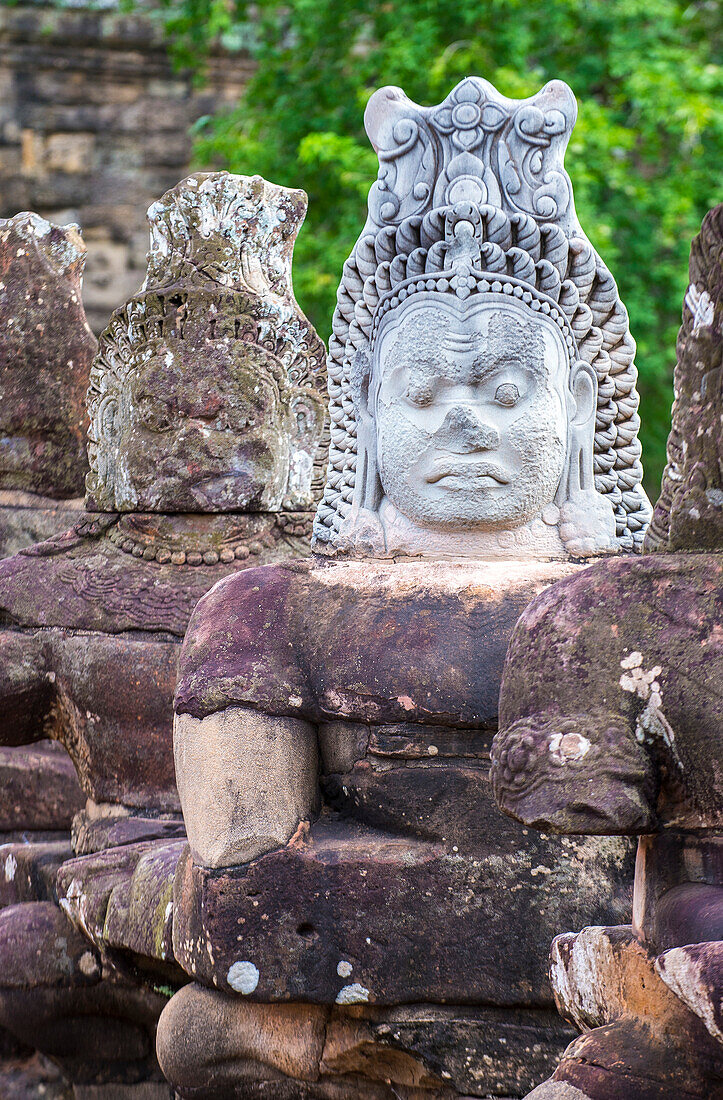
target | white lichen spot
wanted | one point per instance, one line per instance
(11, 866)
(87, 964)
(701, 306)
(432, 750)
(169, 910)
(243, 977)
(640, 681)
(353, 994)
(568, 747)
(344, 969)
(295, 700)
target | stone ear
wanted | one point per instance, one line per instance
(366, 489)
(587, 521)
(307, 414)
(583, 386)
(360, 377)
(306, 424)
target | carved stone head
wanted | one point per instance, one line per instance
(481, 374)
(689, 512)
(46, 349)
(205, 393)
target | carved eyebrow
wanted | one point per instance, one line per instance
(484, 366)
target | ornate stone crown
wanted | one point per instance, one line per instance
(472, 198)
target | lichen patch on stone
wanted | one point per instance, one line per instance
(353, 994)
(11, 866)
(243, 977)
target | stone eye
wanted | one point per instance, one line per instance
(420, 395)
(507, 394)
(155, 414)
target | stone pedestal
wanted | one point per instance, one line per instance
(407, 897)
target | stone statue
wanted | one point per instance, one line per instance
(610, 724)
(206, 452)
(347, 881)
(474, 318)
(46, 349)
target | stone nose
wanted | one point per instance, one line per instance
(463, 430)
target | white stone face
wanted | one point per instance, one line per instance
(472, 201)
(470, 402)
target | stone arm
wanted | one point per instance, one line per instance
(27, 688)
(246, 781)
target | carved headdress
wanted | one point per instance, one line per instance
(472, 199)
(218, 298)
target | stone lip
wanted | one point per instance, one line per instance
(410, 642)
(46, 349)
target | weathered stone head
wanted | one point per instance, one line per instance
(481, 368)
(205, 396)
(46, 349)
(689, 512)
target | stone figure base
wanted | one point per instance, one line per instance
(346, 914)
(215, 1046)
(402, 895)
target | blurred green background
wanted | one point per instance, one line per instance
(645, 156)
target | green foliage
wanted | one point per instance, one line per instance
(645, 155)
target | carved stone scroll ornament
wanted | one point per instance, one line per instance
(473, 268)
(207, 392)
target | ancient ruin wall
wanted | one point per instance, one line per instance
(94, 125)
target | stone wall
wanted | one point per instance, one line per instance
(94, 125)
